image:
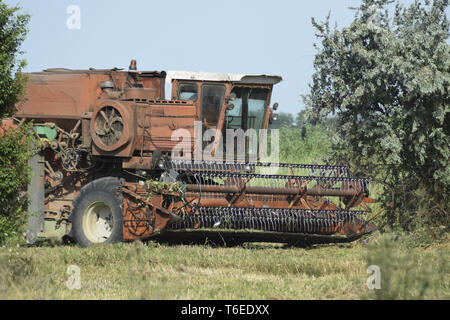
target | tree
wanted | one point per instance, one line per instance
(15, 143)
(301, 119)
(13, 29)
(387, 80)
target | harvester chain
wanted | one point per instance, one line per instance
(265, 219)
(202, 165)
(363, 181)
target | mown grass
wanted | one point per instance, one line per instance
(254, 271)
(159, 271)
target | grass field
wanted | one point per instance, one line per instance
(252, 271)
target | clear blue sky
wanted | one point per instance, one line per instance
(235, 36)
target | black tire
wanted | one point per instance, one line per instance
(99, 197)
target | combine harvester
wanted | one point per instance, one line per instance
(107, 171)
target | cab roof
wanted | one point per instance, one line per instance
(223, 77)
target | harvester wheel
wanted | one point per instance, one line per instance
(97, 215)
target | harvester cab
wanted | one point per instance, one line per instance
(227, 102)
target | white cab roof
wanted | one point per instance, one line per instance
(212, 76)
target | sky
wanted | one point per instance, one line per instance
(232, 36)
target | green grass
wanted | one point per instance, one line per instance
(311, 150)
(411, 268)
(253, 271)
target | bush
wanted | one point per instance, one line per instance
(15, 150)
(15, 143)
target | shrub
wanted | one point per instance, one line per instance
(15, 150)
(15, 143)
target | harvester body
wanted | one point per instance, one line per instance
(120, 162)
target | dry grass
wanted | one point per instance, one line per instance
(155, 271)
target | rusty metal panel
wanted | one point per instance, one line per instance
(137, 163)
(60, 95)
(63, 93)
(36, 196)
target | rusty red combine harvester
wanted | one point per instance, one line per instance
(107, 173)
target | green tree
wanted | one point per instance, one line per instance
(301, 119)
(387, 79)
(13, 29)
(15, 143)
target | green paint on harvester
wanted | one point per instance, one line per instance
(49, 133)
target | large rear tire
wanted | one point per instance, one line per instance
(97, 216)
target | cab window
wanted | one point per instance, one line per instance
(249, 108)
(188, 91)
(212, 98)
